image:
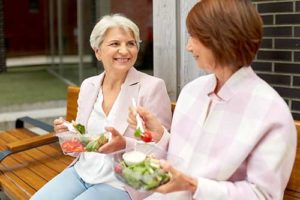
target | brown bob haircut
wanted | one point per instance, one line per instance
(231, 29)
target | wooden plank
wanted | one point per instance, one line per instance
(52, 150)
(19, 167)
(32, 142)
(48, 155)
(294, 182)
(291, 195)
(19, 179)
(15, 189)
(55, 162)
(25, 172)
(72, 103)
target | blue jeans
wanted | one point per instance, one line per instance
(68, 185)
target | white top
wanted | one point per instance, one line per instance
(93, 167)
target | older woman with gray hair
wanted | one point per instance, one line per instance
(104, 101)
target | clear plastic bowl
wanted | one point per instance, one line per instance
(138, 173)
(75, 143)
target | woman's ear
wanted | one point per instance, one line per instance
(98, 54)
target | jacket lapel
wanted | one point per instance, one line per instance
(130, 89)
(91, 97)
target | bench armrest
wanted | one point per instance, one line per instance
(37, 123)
(32, 142)
(28, 143)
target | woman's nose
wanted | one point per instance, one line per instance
(188, 45)
(123, 49)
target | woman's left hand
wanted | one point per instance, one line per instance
(179, 181)
(116, 143)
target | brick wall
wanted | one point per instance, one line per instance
(278, 60)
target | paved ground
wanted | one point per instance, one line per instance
(44, 111)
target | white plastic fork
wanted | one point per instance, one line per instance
(70, 126)
(139, 120)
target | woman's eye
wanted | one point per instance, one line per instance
(131, 44)
(114, 44)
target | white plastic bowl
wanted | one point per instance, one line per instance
(139, 168)
(75, 143)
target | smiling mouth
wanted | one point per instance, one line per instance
(122, 60)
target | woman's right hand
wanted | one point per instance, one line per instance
(59, 126)
(151, 123)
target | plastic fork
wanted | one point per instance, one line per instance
(139, 120)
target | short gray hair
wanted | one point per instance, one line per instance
(112, 21)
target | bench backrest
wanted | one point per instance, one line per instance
(294, 182)
(72, 97)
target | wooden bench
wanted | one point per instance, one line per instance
(32, 160)
(28, 160)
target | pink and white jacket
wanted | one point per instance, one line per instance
(244, 148)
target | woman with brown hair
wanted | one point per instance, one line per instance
(234, 132)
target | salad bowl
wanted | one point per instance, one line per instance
(71, 142)
(140, 168)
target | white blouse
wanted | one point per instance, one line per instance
(93, 167)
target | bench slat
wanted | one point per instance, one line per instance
(32, 142)
(15, 189)
(27, 171)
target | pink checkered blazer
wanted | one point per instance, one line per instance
(244, 148)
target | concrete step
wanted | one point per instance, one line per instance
(33, 106)
(46, 112)
(11, 124)
(38, 114)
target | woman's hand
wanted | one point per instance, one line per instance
(179, 181)
(151, 123)
(59, 127)
(116, 143)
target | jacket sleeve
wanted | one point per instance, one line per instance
(268, 168)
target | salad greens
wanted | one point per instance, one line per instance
(79, 127)
(138, 133)
(71, 143)
(146, 136)
(96, 144)
(146, 175)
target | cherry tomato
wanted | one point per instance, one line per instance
(118, 169)
(72, 146)
(147, 136)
